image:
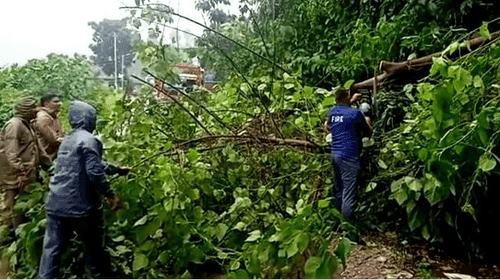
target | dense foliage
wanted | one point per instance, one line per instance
(237, 182)
(442, 160)
(331, 41)
(72, 76)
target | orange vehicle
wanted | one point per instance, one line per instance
(191, 77)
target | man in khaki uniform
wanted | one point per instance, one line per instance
(19, 157)
(47, 124)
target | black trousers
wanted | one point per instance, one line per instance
(89, 229)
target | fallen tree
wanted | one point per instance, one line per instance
(389, 69)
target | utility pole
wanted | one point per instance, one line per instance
(116, 66)
(123, 74)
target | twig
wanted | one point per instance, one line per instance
(216, 32)
(178, 103)
(190, 98)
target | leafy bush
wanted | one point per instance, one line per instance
(444, 155)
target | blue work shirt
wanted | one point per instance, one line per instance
(348, 127)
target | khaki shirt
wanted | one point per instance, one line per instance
(19, 154)
(49, 129)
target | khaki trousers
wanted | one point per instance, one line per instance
(8, 213)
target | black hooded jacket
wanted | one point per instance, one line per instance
(79, 181)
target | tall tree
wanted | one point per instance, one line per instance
(103, 46)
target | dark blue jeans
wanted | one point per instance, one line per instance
(90, 231)
(346, 175)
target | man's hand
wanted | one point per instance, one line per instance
(115, 203)
(23, 182)
(370, 125)
(356, 97)
(122, 171)
(369, 121)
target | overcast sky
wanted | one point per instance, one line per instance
(35, 28)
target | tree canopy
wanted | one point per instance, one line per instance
(103, 46)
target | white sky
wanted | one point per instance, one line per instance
(35, 28)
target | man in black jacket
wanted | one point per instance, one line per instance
(76, 191)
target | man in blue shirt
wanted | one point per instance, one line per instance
(348, 126)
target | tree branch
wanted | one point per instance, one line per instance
(389, 69)
(180, 105)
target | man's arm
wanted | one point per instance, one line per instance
(94, 167)
(11, 148)
(43, 125)
(96, 170)
(368, 129)
(355, 98)
(111, 169)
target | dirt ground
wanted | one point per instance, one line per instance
(383, 257)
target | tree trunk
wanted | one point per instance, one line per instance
(389, 69)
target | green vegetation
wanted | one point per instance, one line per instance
(238, 182)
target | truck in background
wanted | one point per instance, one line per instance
(190, 78)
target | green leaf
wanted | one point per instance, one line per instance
(462, 79)
(275, 237)
(196, 255)
(483, 30)
(164, 257)
(308, 92)
(382, 164)
(302, 242)
(119, 238)
(425, 233)
(147, 246)
(371, 186)
(242, 274)
(416, 219)
(431, 189)
(312, 264)
(452, 48)
(400, 195)
(323, 203)
(449, 219)
(328, 102)
(410, 205)
(486, 163)
(348, 84)
(254, 235)
(235, 264)
(293, 247)
(221, 230)
(193, 155)
(328, 266)
(343, 249)
(422, 154)
(141, 221)
(140, 261)
(438, 66)
(478, 82)
(239, 226)
(415, 185)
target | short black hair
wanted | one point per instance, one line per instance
(342, 94)
(49, 95)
